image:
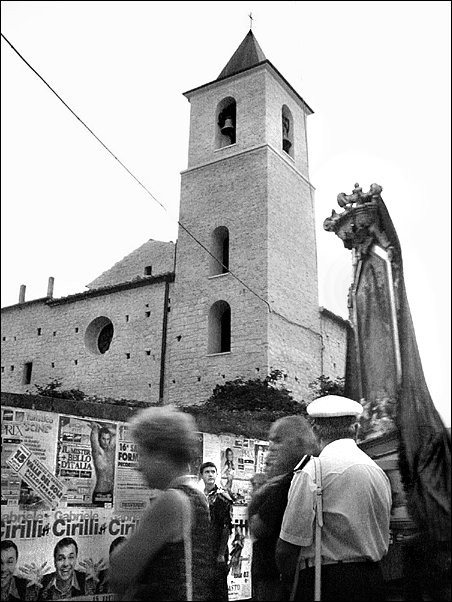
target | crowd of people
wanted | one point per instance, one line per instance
(180, 549)
(318, 517)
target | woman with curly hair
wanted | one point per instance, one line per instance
(168, 556)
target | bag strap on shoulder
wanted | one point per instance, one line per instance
(318, 508)
(318, 528)
(186, 535)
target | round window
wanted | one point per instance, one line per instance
(98, 335)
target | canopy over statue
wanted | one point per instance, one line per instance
(384, 369)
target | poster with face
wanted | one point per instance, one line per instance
(60, 554)
(90, 497)
(237, 466)
(86, 457)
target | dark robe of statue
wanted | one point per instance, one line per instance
(424, 442)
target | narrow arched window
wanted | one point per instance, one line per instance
(219, 328)
(219, 261)
(287, 131)
(226, 122)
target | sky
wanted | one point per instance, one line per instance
(376, 74)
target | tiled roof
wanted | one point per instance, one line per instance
(247, 55)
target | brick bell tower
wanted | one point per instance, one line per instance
(251, 305)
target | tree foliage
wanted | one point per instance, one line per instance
(378, 415)
(324, 385)
(242, 407)
(249, 407)
(53, 389)
(245, 407)
(253, 395)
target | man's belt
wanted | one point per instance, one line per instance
(308, 563)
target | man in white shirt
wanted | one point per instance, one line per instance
(356, 512)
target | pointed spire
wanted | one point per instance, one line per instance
(247, 55)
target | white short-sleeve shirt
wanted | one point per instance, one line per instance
(356, 506)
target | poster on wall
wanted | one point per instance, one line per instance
(237, 460)
(50, 550)
(240, 553)
(37, 431)
(85, 460)
(198, 459)
(48, 544)
(35, 473)
(211, 450)
(70, 488)
(260, 455)
(131, 492)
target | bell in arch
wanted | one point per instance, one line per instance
(286, 144)
(228, 127)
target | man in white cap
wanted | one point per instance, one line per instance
(356, 511)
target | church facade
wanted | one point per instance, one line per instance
(235, 297)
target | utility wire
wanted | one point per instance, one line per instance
(130, 173)
(150, 193)
(82, 122)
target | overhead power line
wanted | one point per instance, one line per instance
(150, 193)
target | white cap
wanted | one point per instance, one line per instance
(333, 405)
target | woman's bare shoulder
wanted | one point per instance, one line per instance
(168, 502)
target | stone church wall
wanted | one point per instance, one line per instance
(156, 256)
(261, 195)
(210, 198)
(52, 336)
(292, 264)
(193, 372)
(334, 337)
(297, 352)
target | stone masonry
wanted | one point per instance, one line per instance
(51, 335)
(157, 300)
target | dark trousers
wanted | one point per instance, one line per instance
(344, 581)
(220, 584)
(268, 590)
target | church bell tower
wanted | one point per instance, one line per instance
(245, 297)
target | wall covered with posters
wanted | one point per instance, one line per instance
(70, 490)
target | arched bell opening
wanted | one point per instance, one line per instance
(287, 131)
(226, 120)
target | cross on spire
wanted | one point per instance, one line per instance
(251, 20)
